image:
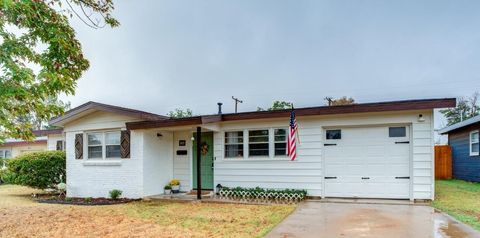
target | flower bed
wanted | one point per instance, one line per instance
(82, 201)
(263, 195)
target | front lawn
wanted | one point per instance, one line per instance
(460, 199)
(20, 216)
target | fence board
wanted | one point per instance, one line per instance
(443, 162)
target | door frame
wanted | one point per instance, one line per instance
(193, 160)
(410, 160)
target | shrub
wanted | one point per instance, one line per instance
(167, 187)
(115, 194)
(88, 199)
(38, 170)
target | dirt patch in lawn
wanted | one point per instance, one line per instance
(21, 216)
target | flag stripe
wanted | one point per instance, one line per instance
(292, 144)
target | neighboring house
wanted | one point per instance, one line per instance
(51, 139)
(371, 150)
(463, 137)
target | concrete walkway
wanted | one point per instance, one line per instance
(319, 219)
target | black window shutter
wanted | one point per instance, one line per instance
(78, 146)
(125, 144)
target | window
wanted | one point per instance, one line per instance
(474, 143)
(233, 144)
(258, 143)
(101, 145)
(397, 131)
(5, 154)
(334, 134)
(59, 145)
(280, 141)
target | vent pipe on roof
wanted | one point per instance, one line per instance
(219, 108)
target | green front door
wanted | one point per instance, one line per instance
(206, 159)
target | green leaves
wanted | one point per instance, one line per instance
(31, 76)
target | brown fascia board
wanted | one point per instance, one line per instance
(422, 104)
(108, 108)
(39, 133)
(21, 143)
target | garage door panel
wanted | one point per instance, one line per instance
(368, 153)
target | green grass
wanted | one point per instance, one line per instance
(460, 199)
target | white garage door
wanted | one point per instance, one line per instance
(371, 162)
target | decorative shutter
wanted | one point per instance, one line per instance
(78, 146)
(125, 144)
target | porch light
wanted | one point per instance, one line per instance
(193, 138)
(421, 118)
(219, 188)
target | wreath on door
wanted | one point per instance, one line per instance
(204, 148)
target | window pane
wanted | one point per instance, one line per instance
(113, 151)
(334, 134)
(234, 137)
(258, 136)
(233, 151)
(280, 148)
(280, 135)
(112, 138)
(95, 152)
(2, 155)
(95, 139)
(8, 154)
(475, 147)
(397, 131)
(258, 149)
(474, 137)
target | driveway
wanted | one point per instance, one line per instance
(320, 219)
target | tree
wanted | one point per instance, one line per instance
(340, 101)
(180, 113)
(277, 105)
(466, 108)
(41, 58)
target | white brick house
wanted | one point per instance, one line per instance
(372, 150)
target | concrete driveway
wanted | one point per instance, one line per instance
(320, 219)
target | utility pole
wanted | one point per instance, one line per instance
(236, 102)
(329, 100)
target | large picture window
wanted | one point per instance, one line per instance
(233, 144)
(103, 145)
(474, 143)
(258, 143)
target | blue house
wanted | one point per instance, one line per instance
(463, 137)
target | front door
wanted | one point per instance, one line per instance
(206, 161)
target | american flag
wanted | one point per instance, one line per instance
(292, 144)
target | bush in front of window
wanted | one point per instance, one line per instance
(39, 170)
(115, 194)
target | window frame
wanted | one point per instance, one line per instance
(102, 144)
(275, 142)
(225, 144)
(471, 142)
(246, 148)
(269, 141)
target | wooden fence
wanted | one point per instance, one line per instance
(443, 162)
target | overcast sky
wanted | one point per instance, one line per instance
(193, 54)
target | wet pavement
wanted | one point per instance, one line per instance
(330, 220)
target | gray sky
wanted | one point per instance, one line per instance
(192, 54)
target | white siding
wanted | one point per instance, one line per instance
(306, 171)
(157, 161)
(52, 141)
(89, 178)
(182, 169)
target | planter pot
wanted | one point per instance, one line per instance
(176, 188)
(168, 191)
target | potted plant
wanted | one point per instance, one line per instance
(167, 189)
(175, 185)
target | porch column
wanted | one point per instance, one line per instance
(199, 162)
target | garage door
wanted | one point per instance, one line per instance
(371, 162)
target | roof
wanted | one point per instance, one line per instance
(459, 125)
(47, 132)
(90, 107)
(23, 143)
(307, 111)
